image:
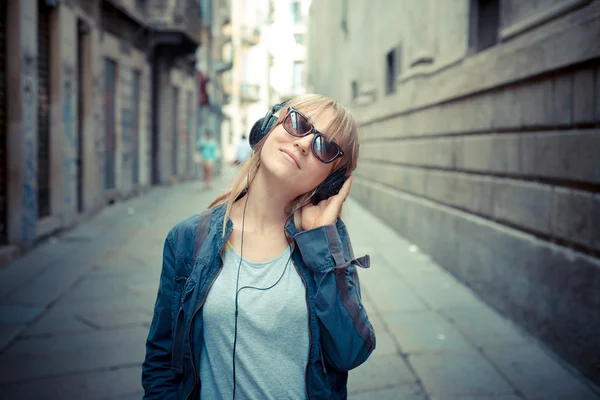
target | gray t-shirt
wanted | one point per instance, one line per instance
(272, 337)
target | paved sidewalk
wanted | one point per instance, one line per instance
(74, 315)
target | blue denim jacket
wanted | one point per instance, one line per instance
(341, 336)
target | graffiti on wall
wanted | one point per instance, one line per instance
(98, 124)
(29, 199)
(70, 149)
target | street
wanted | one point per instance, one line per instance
(75, 311)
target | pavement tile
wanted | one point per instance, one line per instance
(27, 367)
(404, 392)
(424, 331)
(396, 297)
(458, 374)
(538, 376)
(114, 384)
(127, 301)
(376, 321)
(13, 314)
(443, 292)
(51, 325)
(113, 319)
(385, 345)
(501, 397)
(76, 341)
(380, 372)
(483, 326)
(8, 333)
(92, 288)
(50, 284)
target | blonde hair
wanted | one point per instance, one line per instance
(341, 127)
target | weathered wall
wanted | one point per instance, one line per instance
(82, 35)
(489, 161)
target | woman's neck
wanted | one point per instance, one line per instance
(266, 207)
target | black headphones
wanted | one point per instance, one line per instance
(261, 128)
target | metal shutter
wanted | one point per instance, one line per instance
(43, 112)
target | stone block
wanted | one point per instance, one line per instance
(481, 195)
(534, 99)
(458, 374)
(523, 204)
(380, 372)
(537, 375)
(438, 186)
(597, 95)
(481, 112)
(595, 216)
(418, 332)
(507, 108)
(583, 96)
(572, 216)
(569, 155)
(432, 120)
(491, 153)
(561, 111)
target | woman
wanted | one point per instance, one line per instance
(209, 152)
(270, 306)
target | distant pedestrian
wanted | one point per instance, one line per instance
(259, 296)
(243, 151)
(209, 153)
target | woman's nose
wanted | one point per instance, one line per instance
(303, 143)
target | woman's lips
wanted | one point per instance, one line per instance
(291, 157)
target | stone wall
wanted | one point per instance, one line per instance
(487, 160)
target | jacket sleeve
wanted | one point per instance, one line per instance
(347, 336)
(158, 379)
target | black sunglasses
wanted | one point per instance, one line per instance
(298, 125)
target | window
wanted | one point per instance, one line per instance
(483, 24)
(299, 38)
(390, 72)
(298, 77)
(344, 18)
(296, 11)
(354, 90)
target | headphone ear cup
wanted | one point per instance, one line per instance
(256, 133)
(330, 186)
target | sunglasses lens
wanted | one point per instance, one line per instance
(324, 149)
(296, 124)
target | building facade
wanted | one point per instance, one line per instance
(481, 122)
(214, 59)
(287, 48)
(97, 103)
(248, 80)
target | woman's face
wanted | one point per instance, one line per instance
(291, 159)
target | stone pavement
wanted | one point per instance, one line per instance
(74, 315)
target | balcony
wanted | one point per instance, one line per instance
(176, 16)
(250, 35)
(249, 92)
